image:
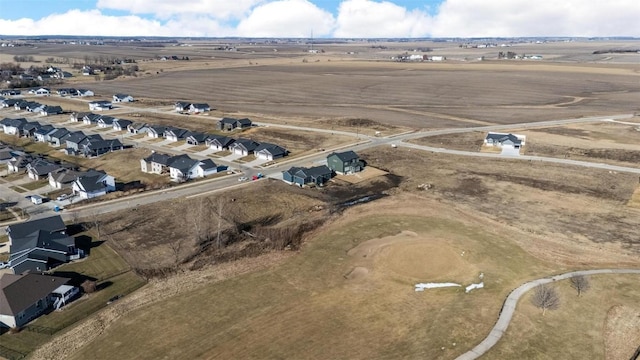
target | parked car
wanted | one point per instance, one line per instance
(4, 265)
(242, 178)
(63, 197)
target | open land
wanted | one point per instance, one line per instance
(275, 271)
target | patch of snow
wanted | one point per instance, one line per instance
(423, 286)
(474, 286)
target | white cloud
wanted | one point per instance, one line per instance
(93, 22)
(286, 18)
(217, 9)
(355, 18)
(483, 18)
(367, 18)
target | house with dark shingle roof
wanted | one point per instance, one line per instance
(156, 131)
(29, 129)
(105, 121)
(267, 151)
(197, 138)
(138, 128)
(74, 139)
(156, 163)
(181, 106)
(122, 98)
(100, 105)
(302, 176)
(121, 124)
(182, 168)
(93, 184)
(346, 162)
(40, 168)
(25, 297)
(229, 124)
(90, 118)
(175, 134)
(51, 110)
(509, 143)
(58, 137)
(199, 108)
(100, 147)
(13, 126)
(64, 178)
(41, 135)
(219, 143)
(19, 163)
(243, 147)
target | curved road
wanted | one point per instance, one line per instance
(509, 307)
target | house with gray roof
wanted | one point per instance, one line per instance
(509, 143)
(197, 138)
(175, 134)
(91, 118)
(138, 128)
(346, 162)
(182, 168)
(122, 98)
(64, 178)
(100, 105)
(58, 137)
(51, 110)
(156, 131)
(267, 151)
(41, 168)
(181, 106)
(41, 135)
(302, 176)
(243, 147)
(25, 297)
(199, 108)
(156, 163)
(219, 143)
(13, 126)
(100, 147)
(121, 124)
(229, 124)
(29, 129)
(93, 184)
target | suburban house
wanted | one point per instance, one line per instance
(122, 98)
(12, 126)
(21, 105)
(156, 131)
(175, 134)
(137, 128)
(8, 103)
(106, 121)
(346, 162)
(63, 178)
(199, 108)
(243, 147)
(29, 129)
(156, 163)
(100, 105)
(182, 167)
(77, 116)
(181, 106)
(10, 92)
(121, 124)
(67, 92)
(6, 154)
(25, 297)
(39, 245)
(197, 138)
(219, 143)
(41, 168)
(267, 151)
(42, 91)
(51, 110)
(90, 118)
(58, 137)
(99, 147)
(93, 184)
(41, 135)
(35, 107)
(232, 124)
(85, 92)
(301, 176)
(73, 139)
(19, 163)
(509, 143)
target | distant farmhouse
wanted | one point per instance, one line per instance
(509, 143)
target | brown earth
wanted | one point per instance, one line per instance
(621, 332)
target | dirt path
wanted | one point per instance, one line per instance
(509, 307)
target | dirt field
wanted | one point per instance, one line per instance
(347, 291)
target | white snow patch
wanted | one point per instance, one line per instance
(474, 286)
(423, 286)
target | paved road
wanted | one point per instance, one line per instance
(509, 307)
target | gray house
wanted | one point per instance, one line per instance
(301, 176)
(229, 124)
(58, 137)
(25, 297)
(346, 162)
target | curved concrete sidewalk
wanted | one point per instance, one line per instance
(509, 307)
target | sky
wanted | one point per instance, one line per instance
(322, 18)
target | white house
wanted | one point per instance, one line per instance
(509, 143)
(100, 105)
(122, 98)
(93, 184)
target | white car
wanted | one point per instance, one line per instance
(4, 265)
(242, 178)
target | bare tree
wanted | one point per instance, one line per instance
(219, 212)
(96, 222)
(546, 298)
(580, 283)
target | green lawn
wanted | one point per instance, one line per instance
(113, 275)
(35, 184)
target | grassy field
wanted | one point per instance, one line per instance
(313, 296)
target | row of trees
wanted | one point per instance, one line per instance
(546, 297)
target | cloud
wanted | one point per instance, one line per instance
(370, 19)
(482, 18)
(286, 18)
(95, 23)
(217, 9)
